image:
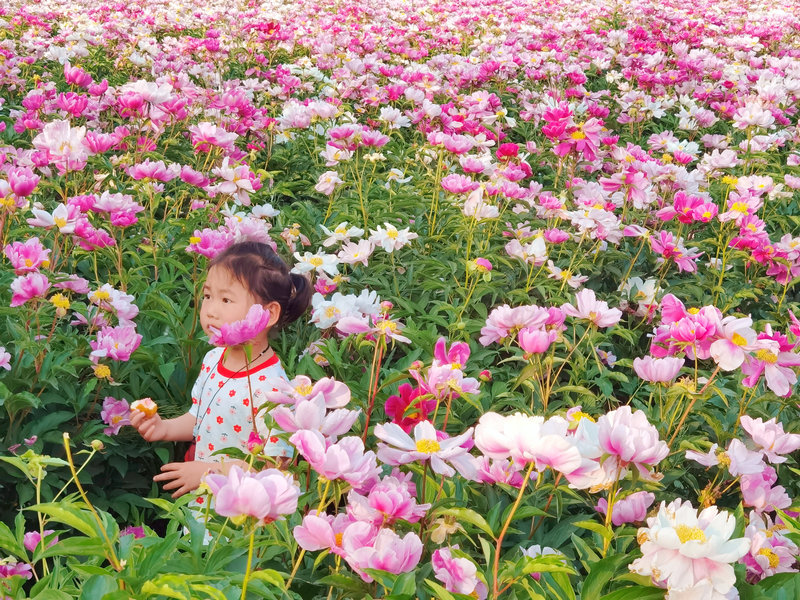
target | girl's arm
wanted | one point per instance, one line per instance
(156, 429)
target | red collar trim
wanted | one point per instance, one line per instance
(226, 372)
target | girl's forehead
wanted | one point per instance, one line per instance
(221, 277)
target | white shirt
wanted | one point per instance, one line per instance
(223, 408)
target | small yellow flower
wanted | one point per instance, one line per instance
(102, 371)
(61, 302)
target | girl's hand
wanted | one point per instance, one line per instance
(182, 476)
(152, 429)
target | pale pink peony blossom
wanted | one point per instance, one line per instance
(658, 370)
(683, 548)
(398, 448)
(770, 438)
(589, 307)
(630, 509)
(265, 495)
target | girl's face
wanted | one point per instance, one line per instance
(225, 299)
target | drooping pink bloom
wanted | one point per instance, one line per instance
(153, 170)
(630, 440)
(536, 341)
(381, 325)
(115, 413)
(630, 509)
(265, 495)
(770, 438)
(207, 135)
(327, 182)
(29, 286)
(388, 501)
(116, 343)
(31, 539)
(442, 381)
(500, 471)
(459, 575)
(243, 331)
(346, 459)
(504, 321)
(27, 256)
(388, 552)
(589, 307)
(658, 370)
(398, 448)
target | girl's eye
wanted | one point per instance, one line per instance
(206, 296)
(225, 300)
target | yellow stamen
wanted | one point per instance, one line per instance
(774, 559)
(738, 340)
(767, 356)
(690, 534)
(428, 446)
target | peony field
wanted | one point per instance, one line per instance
(399, 299)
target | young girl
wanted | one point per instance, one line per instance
(221, 415)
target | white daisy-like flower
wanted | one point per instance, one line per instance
(390, 238)
(341, 233)
(316, 261)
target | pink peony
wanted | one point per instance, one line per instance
(243, 331)
(589, 307)
(770, 438)
(630, 509)
(115, 413)
(27, 287)
(265, 495)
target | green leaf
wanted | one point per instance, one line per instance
(439, 592)
(600, 574)
(51, 595)
(69, 514)
(469, 516)
(74, 546)
(596, 527)
(636, 593)
(269, 576)
(9, 543)
(406, 584)
(97, 586)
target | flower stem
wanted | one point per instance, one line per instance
(112, 556)
(249, 563)
(496, 565)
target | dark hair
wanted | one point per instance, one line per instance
(256, 266)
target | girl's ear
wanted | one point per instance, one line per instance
(274, 310)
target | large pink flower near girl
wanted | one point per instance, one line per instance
(241, 332)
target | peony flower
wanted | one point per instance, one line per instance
(27, 256)
(32, 539)
(388, 552)
(459, 575)
(770, 552)
(265, 495)
(770, 438)
(388, 501)
(242, 331)
(334, 393)
(658, 370)
(328, 532)
(5, 359)
(312, 414)
(589, 307)
(525, 439)
(390, 238)
(629, 439)
(405, 410)
(398, 448)
(630, 509)
(116, 343)
(683, 549)
(27, 287)
(115, 413)
(346, 459)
